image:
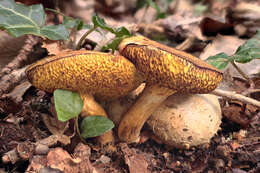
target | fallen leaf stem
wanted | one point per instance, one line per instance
(84, 36)
(76, 128)
(57, 12)
(251, 83)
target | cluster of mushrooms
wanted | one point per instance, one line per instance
(100, 77)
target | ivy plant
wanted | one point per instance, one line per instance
(247, 52)
(69, 104)
(18, 20)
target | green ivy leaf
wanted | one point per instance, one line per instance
(114, 44)
(55, 32)
(19, 19)
(219, 61)
(93, 126)
(68, 104)
(248, 51)
(70, 22)
(100, 22)
(121, 32)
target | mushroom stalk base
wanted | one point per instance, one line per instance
(92, 108)
(133, 121)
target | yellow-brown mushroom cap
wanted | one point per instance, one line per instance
(104, 75)
(169, 67)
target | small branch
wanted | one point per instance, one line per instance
(186, 44)
(57, 12)
(83, 37)
(251, 83)
(9, 81)
(22, 56)
(234, 95)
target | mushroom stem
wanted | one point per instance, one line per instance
(133, 121)
(92, 108)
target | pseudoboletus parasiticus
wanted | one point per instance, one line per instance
(166, 71)
(93, 74)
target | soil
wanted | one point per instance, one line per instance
(28, 144)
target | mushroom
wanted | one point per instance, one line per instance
(92, 74)
(186, 120)
(181, 121)
(166, 71)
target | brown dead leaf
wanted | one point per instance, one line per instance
(180, 7)
(246, 16)
(226, 44)
(115, 7)
(9, 47)
(57, 128)
(37, 163)
(250, 11)
(17, 93)
(141, 15)
(219, 8)
(54, 47)
(136, 162)
(186, 23)
(60, 160)
(211, 27)
(54, 125)
(234, 114)
(8, 106)
(235, 145)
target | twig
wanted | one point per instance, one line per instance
(22, 56)
(251, 83)
(186, 44)
(234, 95)
(9, 81)
(76, 128)
(251, 91)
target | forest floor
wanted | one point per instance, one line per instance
(202, 28)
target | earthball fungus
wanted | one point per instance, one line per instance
(166, 71)
(181, 121)
(186, 120)
(93, 74)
